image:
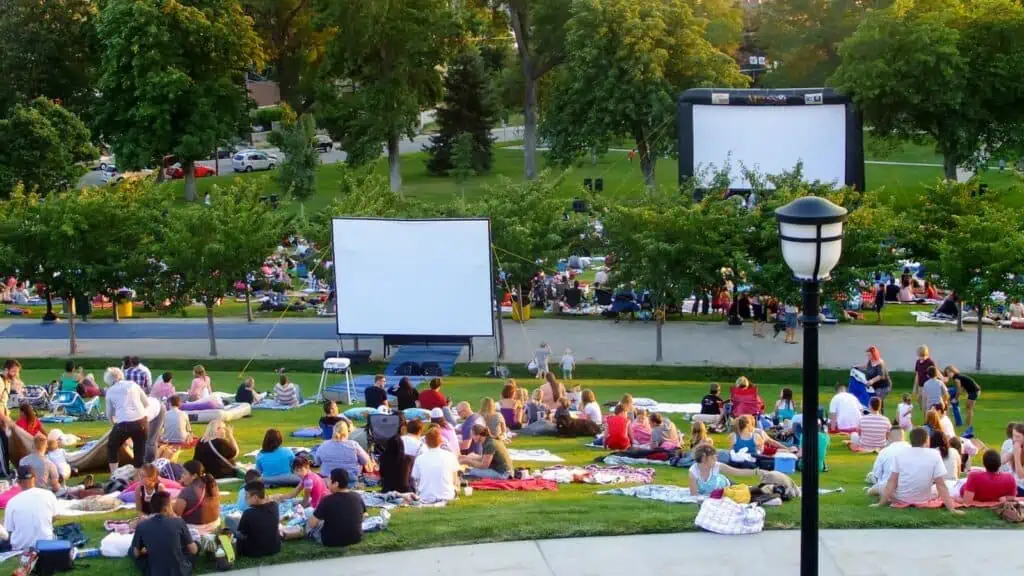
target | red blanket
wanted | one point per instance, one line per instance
(530, 485)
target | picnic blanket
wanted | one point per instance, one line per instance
(308, 432)
(534, 455)
(659, 492)
(528, 485)
(595, 474)
(53, 419)
(271, 404)
(392, 500)
(614, 460)
(652, 405)
(92, 505)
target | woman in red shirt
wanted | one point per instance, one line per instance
(990, 485)
(29, 422)
(617, 434)
(433, 398)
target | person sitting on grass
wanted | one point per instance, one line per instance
(286, 393)
(885, 462)
(712, 407)
(251, 475)
(45, 472)
(664, 433)
(706, 474)
(274, 461)
(617, 430)
(494, 420)
(639, 428)
(57, 455)
(509, 405)
(331, 416)
(844, 411)
(163, 545)
(311, 485)
(872, 430)
(201, 387)
(177, 429)
(71, 377)
(338, 519)
(405, 394)
(591, 409)
(149, 486)
(535, 409)
(493, 461)
(412, 439)
(29, 422)
(932, 420)
(340, 452)
(785, 409)
(950, 456)
(433, 397)
(217, 450)
(376, 396)
(435, 471)
(469, 421)
(918, 476)
(945, 424)
(247, 394)
(395, 467)
(163, 388)
(568, 427)
(198, 503)
(259, 530)
(988, 485)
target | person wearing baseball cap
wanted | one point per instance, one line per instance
(449, 439)
(29, 515)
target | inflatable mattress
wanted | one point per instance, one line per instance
(93, 457)
(227, 413)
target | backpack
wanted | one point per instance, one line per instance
(431, 369)
(408, 369)
(1011, 511)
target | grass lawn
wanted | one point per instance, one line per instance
(573, 510)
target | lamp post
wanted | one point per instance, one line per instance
(811, 234)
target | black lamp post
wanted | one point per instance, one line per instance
(811, 234)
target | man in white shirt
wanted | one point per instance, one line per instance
(29, 515)
(884, 463)
(412, 441)
(844, 411)
(126, 409)
(601, 278)
(917, 476)
(436, 470)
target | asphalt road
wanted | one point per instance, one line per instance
(416, 144)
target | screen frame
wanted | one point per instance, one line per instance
(854, 176)
(425, 338)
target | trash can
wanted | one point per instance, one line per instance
(520, 313)
(125, 308)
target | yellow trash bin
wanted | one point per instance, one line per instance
(125, 309)
(520, 313)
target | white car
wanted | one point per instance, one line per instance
(112, 176)
(253, 160)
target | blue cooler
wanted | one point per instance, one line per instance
(54, 556)
(785, 462)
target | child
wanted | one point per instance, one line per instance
(535, 408)
(664, 433)
(568, 364)
(259, 532)
(575, 398)
(699, 435)
(905, 410)
(329, 419)
(339, 522)
(286, 393)
(311, 486)
(251, 475)
(784, 408)
(163, 388)
(591, 409)
(627, 402)
(711, 406)
(201, 387)
(791, 323)
(541, 358)
(57, 455)
(640, 429)
(247, 392)
(177, 428)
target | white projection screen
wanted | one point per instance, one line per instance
(414, 277)
(769, 132)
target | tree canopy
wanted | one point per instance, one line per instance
(42, 146)
(468, 110)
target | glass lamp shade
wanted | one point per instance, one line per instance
(811, 235)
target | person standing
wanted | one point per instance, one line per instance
(879, 302)
(934, 390)
(541, 357)
(137, 372)
(878, 375)
(921, 366)
(971, 388)
(162, 543)
(126, 410)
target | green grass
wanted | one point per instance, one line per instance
(574, 510)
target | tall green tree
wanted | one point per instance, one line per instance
(980, 255)
(173, 79)
(48, 49)
(294, 46)
(803, 36)
(297, 176)
(389, 55)
(207, 249)
(946, 71)
(627, 62)
(43, 146)
(468, 110)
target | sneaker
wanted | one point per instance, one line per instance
(387, 518)
(969, 433)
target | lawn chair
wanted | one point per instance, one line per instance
(69, 403)
(35, 396)
(746, 401)
(379, 429)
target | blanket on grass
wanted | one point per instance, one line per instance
(594, 474)
(614, 460)
(529, 485)
(92, 505)
(308, 432)
(271, 404)
(659, 492)
(392, 500)
(533, 455)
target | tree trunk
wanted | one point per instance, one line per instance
(72, 337)
(949, 167)
(209, 325)
(659, 321)
(647, 159)
(216, 160)
(190, 181)
(49, 316)
(977, 352)
(394, 163)
(501, 333)
(248, 303)
(113, 306)
(960, 316)
(530, 125)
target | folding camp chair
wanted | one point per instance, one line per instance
(69, 403)
(379, 429)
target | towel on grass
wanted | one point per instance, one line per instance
(595, 474)
(533, 455)
(659, 492)
(271, 404)
(529, 485)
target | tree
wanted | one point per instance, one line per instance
(297, 175)
(980, 255)
(207, 249)
(43, 146)
(389, 54)
(803, 36)
(294, 46)
(469, 110)
(48, 49)
(944, 71)
(173, 79)
(539, 29)
(627, 62)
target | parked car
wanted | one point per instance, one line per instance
(250, 160)
(323, 143)
(112, 176)
(106, 161)
(176, 172)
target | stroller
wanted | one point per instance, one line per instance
(379, 429)
(69, 403)
(35, 396)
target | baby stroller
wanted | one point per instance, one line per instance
(69, 403)
(379, 429)
(35, 396)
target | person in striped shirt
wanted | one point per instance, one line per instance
(872, 430)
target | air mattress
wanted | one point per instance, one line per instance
(227, 414)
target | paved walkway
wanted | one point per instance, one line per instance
(842, 553)
(593, 341)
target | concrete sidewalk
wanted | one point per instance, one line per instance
(593, 341)
(776, 553)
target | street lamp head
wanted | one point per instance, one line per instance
(811, 235)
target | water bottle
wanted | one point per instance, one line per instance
(87, 552)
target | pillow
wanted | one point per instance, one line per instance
(417, 414)
(360, 413)
(7, 495)
(204, 404)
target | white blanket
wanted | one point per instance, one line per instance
(534, 455)
(659, 492)
(65, 510)
(666, 407)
